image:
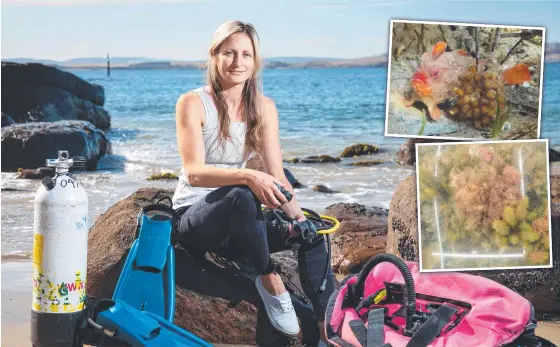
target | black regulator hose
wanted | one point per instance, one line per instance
(357, 289)
(328, 261)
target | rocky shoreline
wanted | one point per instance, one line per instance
(45, 110)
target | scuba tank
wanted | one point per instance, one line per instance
(59, 255)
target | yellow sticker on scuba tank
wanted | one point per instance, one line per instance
(380, 296)
(38, 252)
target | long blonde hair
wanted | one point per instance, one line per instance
(252, 91)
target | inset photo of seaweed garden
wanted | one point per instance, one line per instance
(470, 81)
(483, 205)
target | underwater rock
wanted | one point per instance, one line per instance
(540, 286)
(38, 93)
(402, 223)
(367, 163)
(313, 159)
(323, 189)
(28, 145)
(216, 304)
(362, 235)
(163, 176)
(358, 150)
(320, 159)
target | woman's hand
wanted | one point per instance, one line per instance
(264, 187)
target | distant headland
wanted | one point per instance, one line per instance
(552, 54)
(147, 63)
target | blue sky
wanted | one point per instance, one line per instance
(175, 29)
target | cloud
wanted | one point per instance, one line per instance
(86, 2)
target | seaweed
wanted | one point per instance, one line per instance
(499, 121)
(483, 200)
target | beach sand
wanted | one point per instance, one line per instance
(16, 308)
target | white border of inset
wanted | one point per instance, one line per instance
(550, 265)
(388, 88)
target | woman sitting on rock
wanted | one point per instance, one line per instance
(219, 127)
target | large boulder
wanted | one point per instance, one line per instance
(540, 286)
(38, 93)
(217, 304)
(362, 234)
(28, 145)
(402, 234)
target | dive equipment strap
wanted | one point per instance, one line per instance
(432, 327)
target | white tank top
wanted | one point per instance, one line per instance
(229, 156)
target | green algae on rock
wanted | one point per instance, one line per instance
(359, 150)
(163, 176)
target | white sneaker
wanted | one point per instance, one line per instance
(279, 309)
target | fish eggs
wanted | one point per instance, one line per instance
(477, 97)
(464, 100)
(458, 91)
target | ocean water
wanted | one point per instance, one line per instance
(321, 111)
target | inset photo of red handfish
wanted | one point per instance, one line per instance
(464, 81)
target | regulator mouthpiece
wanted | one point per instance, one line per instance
(63, 162)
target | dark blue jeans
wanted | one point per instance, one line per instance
(229, 222)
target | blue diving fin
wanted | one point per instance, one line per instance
(147, 281)
(143, 304)
(143, 329)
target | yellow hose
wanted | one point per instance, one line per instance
(326, 231)
(332, 229)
